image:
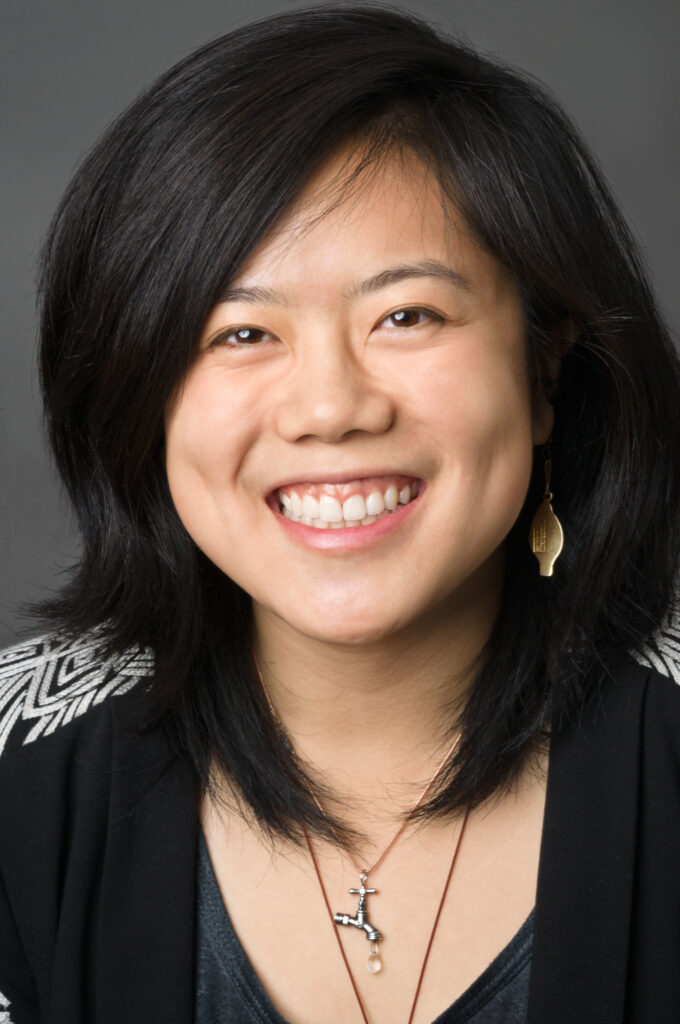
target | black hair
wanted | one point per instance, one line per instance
(166, 209)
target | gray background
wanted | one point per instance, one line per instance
(68, 67)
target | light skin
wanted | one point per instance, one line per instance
(332, 385)
(375, 340)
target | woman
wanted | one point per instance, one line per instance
(370, 425)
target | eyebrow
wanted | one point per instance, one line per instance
(259, 295)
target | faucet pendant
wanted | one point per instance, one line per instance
(360, 920)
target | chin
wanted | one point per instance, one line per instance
(355, 631)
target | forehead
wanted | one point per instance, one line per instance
(354, 216)
(395, 184)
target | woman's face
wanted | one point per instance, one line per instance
(369, 360)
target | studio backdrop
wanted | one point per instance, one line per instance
(69, 67)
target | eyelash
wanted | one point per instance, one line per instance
(223, 336)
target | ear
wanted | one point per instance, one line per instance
(545, 384)
(542, 415)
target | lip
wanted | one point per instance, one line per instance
(350, 538)
(340, 478)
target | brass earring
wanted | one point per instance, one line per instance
(546, 536)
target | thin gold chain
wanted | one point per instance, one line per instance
(404, 825)
(433, 930)
(366, 871)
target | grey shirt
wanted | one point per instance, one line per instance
(228, 990)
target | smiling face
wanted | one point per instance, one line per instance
(354, 439)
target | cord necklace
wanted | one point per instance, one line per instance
(360, 919)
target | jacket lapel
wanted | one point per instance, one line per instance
(585, 880)
(145, 930)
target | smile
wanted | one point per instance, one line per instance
(327, 506)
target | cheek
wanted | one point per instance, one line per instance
(203, 442)
(476, 401)
(477, 409)
(190, 452)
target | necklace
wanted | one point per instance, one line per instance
(360, 919)
(432, 932)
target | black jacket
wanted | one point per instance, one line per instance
(98, 835)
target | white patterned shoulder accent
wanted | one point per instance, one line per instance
(48, 681)
(4, 1010)
(663, 651)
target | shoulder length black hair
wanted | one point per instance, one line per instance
(168, 206)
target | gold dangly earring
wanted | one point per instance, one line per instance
(546, 536)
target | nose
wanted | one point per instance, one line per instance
(329, 394)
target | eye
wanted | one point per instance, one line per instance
(240, 337)
(410, 317)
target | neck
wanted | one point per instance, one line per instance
(374, 718)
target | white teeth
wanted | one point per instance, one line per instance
(330, 509)
(326, 512)
(375, 504)
(296, 504)
(323, 524)
(354, 509)
(391, 498)
(310, 507)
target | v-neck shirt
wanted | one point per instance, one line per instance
(228, 990)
